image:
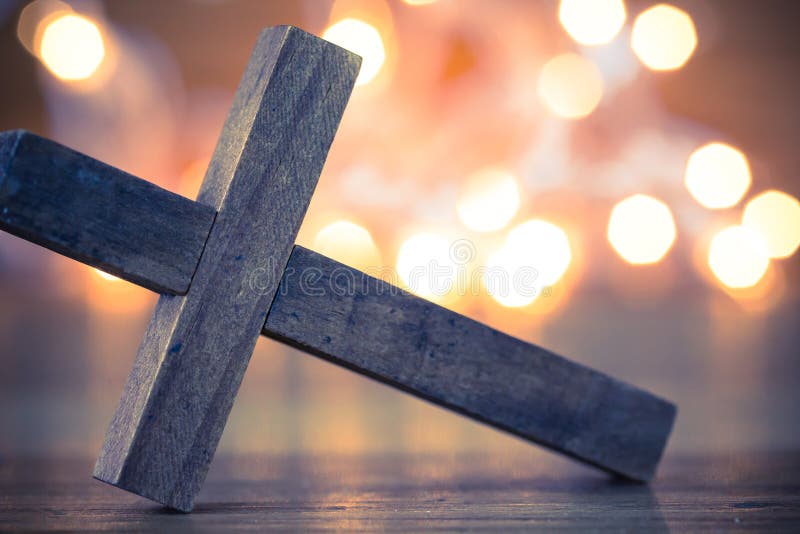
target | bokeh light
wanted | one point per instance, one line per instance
(106, 276)
(505, 277)
(72, 47)
(570, 86)
(717, 175)
(108, 294)
(775, 215)
(535, 255)
(363, 39)
(592, 22)
(33, 20)
(348, 243)
(641, 229)
(549, 244)
(738, 257)
(664, 37)
(488, 200)
(425, 266)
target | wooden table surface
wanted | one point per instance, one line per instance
(408, 492)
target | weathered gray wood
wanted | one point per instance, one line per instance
(196, 348)
(373, 328)
(99, 215)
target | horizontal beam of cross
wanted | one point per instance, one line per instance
(341, 315)
(99, 215)
(373, 328)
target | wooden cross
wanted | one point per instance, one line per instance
(228, 271)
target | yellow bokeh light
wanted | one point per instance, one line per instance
(72, 47)
(502, 268)
(717, 175)
(775, 215)
(663, 37)
(548, 244)
(536, 254)
(425, 266)
(106, 276)
(641, 229)
(738, 257)
(348, 243)
(489, 200)
(362, 39)
(33, 19)
(592, 22)
(570, 86)
(105, 293)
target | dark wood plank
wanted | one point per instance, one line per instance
(417, 492)
(378, 330)
(196, 348)
(99, 215)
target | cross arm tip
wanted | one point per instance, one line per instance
(8, 146)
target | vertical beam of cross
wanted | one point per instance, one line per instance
(196, 348)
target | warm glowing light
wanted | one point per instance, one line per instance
(363, 39)
(105, 293)
(550, 245)
(664, 37)
(72, 47)
(419, 2)
(33, 19)
(489, 200)
(641, 229)
(106, 276)
(425, 265)
(738, 257)
(536, 255)
(775, 216)
(505, 278)
(717, 175)
(348, 243)
(570, 86)
(592, 22)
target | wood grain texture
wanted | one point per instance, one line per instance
(99, 215)
(414, 492)
(375, 329)
(196, 348)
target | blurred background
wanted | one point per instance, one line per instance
(642, 157)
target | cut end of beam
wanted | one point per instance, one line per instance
(8, 147)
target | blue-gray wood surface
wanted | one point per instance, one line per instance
(196, 349)
(99, 215)
(414, 492)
